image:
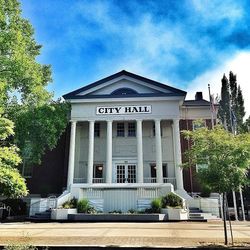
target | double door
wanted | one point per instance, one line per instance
(125, 173)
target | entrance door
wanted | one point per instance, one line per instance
(125, 173)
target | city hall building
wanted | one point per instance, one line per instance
(124, 146)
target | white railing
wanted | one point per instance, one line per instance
(170, 180)
(150, 180)
(165, 180)
(146, 180)
(80, 180)
(65, 196)
(98, 180)
(42, 204)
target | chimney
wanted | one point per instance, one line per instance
(198, 96)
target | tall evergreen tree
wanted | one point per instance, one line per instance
(224, 103)
(231, 110)
(240, 110)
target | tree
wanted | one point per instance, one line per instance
(231, 106)
(12, 184)
(39, 121)
(224, 111)
(226, 157)
(20, 73)
(38, 128)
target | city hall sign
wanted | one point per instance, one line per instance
(124, 110)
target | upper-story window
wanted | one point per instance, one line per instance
(131, 129)
(97, 129)
(199, 124)
(124, 91)
(120, 129)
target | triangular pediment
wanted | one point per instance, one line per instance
(124, 85)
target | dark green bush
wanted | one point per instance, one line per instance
(172, 200)
(83, 206)
(156, 205)
(18, 206)
(70, 203)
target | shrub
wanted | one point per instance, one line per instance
(70, 203)
(83, 206)
(115, 212)
(172, 200)
(156, 205)
(18, 206)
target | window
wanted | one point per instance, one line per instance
(98, 173)
(131, 129)
(164, 170)
(97, 130)
(120, 129)
(200, 167)
(27, 169)
(124, 91)
(198, 124)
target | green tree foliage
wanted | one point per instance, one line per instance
(12, 184)
(38, 128)
(227, 158)
(39, 121)
(19, 71)
(224, 111)
(231, 100)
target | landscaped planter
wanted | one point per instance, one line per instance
(62, 213)
(117, 217)
(175, 213)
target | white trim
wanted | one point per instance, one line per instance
(126, 99)
(123, 77)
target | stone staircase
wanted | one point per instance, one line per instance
(195, 214)
(41, 216)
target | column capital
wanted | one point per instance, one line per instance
(176, 119)
(91, 120)
(157, 119)
(73, 121)
(139, 120)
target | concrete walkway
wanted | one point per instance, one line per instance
(122, 234)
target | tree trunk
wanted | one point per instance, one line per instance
(224, 218)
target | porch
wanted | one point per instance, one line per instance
(122, 197)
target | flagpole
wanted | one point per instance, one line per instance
(211, 108)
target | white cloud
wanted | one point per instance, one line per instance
(239, 65)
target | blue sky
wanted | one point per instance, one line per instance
(185, 44)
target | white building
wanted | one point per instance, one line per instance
(125, 145)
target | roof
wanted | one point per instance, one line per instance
(201, 102)
(75, 94)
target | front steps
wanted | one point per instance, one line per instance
(42, 216)
(195, 214)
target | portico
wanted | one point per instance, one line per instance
(138, 161)
(124, 135)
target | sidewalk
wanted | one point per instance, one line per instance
(122, 234)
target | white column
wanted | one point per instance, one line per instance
(109, 153)
(71, 164)
(91, 151)
(177, 154)
(139, 150)
(158, 150)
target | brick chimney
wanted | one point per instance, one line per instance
(198, 96)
